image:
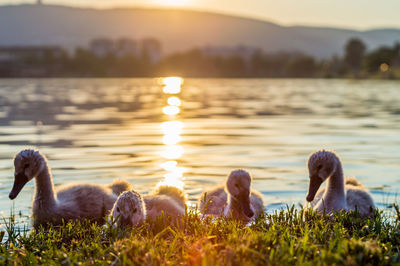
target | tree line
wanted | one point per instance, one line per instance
(356, 62)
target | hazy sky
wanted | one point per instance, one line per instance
(360, 14)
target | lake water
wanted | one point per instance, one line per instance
(192, 135)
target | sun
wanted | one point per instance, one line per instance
(172, 2)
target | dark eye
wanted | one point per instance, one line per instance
(319, 167)
(236, 185)
(134, 210)
(26, 165)
(117, 209)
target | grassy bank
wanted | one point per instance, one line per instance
(285, 237)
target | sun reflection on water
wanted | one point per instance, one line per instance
(169, 165)
(172, 127)
(172, 152)
(174, 101)
(171, 139)
(172, 130)
(171, 110)
(172, 85)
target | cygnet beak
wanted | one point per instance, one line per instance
(315, 183)
(19, 182)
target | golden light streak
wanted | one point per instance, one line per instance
(174, 101)
(172, 152)
(169, 165)
(172, 85)
(171, 181)
(172, 81)
(172, 131)
(172, 127)
(171, 110)
(171, 139)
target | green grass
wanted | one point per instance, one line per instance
(287, 237)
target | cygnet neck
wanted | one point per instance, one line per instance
(335, 190)
(44, 189)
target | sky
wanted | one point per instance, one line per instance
(356, 14)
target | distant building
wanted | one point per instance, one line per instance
(14, 53)
(29, 61)
(151, 48)
(102, 47)
(244, 52)
(125, 46)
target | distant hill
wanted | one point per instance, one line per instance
(176, 29)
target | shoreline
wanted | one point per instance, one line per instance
(286, 237)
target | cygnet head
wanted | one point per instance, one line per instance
(129, 209)
(238, 186)
(321, 165)
(28, 165)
